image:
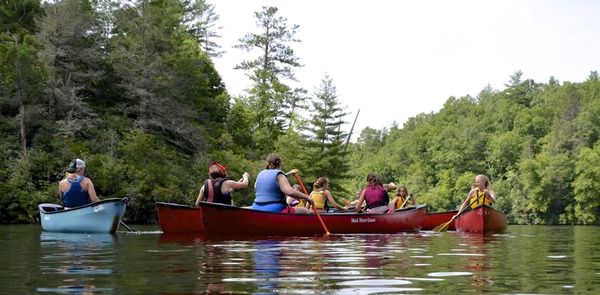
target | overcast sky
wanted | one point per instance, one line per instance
(396, 59)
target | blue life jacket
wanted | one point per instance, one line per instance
(267, 188)
(76, 196)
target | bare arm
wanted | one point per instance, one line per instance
(89, 187)
(466, 202)
(230, 184)
(360, 201)
(389, 186)
(333, 202)
(200, 196)
(492, 196)
(412, 199)
(288, 190)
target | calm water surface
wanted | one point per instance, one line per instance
(525, 260)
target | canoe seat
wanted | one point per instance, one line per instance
(52, 208)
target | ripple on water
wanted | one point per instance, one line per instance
(374, 286)
(449, 274)
(374, 282)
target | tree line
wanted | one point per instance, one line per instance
(131, 88)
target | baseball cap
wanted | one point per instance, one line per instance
(75, 164)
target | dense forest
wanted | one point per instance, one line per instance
(131, 88)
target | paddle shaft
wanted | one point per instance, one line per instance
(125, 226)
(407, 197)
(313, 205)
(467, 207)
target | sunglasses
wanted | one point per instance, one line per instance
(218, 165)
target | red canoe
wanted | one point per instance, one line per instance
(434, 219)
(228, 220)
(482, 219)
(179, 219)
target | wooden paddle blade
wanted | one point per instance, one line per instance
(442, 227)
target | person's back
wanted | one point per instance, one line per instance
(272, 186)
(375, 196)
(213, 193)
(319, 199)
(269, 196)
(75, 195)
(76, 190)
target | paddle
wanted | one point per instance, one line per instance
(314, 208)
(444, 226)
(407, 197)
(127, 227)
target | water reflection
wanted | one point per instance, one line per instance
(527, 260)
(479, 260)
(266, 258)
(74, 258)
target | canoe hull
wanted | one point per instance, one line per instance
(434, 219)
(99, 217)
(482, 219)
(179, 219)
(221, 219)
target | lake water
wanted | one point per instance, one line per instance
(524, 260)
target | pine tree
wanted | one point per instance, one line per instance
(272, 103)
(325, 144)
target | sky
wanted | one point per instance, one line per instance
(394, 60)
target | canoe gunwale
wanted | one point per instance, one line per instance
(61, 208)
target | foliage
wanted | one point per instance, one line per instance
(132, 90)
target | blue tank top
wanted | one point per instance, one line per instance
(76, 196)
(267, 189)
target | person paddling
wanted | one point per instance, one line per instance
(375, 195)
(216, 188)
(480, 194)
(272, 187)
(401, 199)
(322, 196)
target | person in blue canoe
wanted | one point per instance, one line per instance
(75, 189)
(272, 188)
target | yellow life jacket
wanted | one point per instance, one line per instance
(400, 202)
(301, 204)
(476, 201)
(319, 199)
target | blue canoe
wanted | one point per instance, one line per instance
(99, 217)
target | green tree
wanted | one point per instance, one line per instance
(325, 144)
(271, 102)
(201, 19)
(72, 55)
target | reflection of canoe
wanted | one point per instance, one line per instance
(228, 220)
(79, 239)
(482, 219)
(434, 219)
(177, 219)
(99, 217)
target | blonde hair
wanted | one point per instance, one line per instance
(486, 180)
(72, 175)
